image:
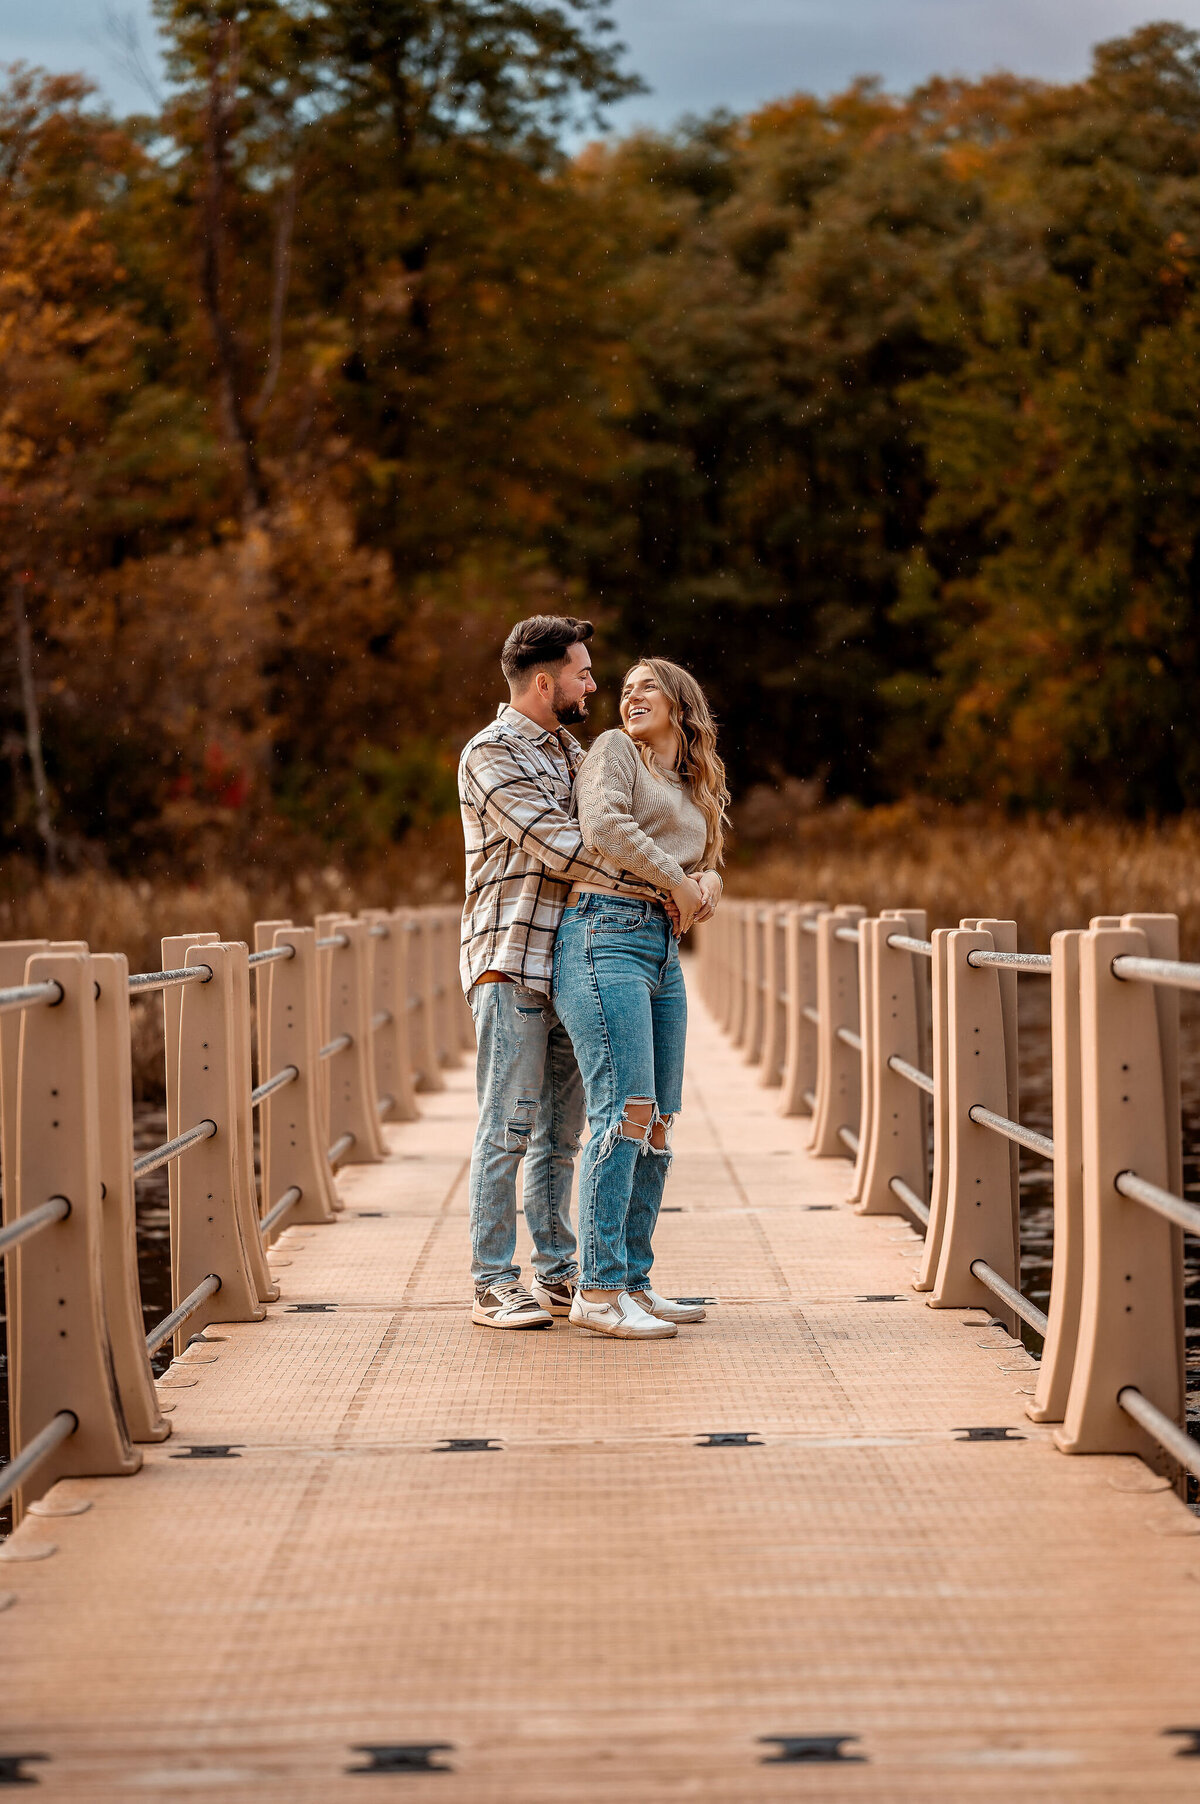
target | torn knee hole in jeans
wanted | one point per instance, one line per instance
(637, 1118)
(519, 1127)
(660, 1136)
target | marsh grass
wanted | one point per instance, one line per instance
(1044, 874)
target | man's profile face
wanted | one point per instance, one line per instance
(572, 686)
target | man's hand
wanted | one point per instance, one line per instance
(713, 890)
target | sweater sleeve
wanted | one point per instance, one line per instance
(604, 799)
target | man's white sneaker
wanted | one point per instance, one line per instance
(557, 1298)
(508, 1306)
(622, 1319)
(667, 1309)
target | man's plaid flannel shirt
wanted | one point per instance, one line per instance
(524, 849)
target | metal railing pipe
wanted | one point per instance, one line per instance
(910, 1199)
(268, 1087)
(904, 942)
(269, 953)
(811, 1014)
(341, 1145)
(849, 1139)
(1034, 964)
(848, 1037)
(383, 1104)
(278, 1210)
(26, 1226)
(849, 934)
(808, 925)
(58, 1429)
(171, 1149)
(380, 1018)
(1029, 1138)
(143, 981)
(1177, 1442)
(338, 1045)
(208, 1287)
(31, 995)
(1008, 1293)
(1164, 1202)
(1170, 971)
(332, 939)
(913, 1073)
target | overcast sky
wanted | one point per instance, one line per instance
(699, 54)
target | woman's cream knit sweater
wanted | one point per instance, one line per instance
(644, 825)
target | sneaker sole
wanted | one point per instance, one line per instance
(490, 1321)
(665, 1331)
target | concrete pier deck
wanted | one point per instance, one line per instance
(812, 1548)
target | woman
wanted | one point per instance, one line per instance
(651, 798)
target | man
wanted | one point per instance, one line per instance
(524, 851)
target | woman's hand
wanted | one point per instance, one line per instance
(688, 898)
(713, 889)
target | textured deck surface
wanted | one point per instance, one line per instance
(601, 1604)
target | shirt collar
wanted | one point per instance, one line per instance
(516, 722)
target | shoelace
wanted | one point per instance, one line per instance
(513, 1296)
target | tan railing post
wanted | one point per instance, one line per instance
(839, 1067)
(1128, 1334)
(427, 1066)
(389, 997)
(459, 1029)
(213, 1230)
(798, 1093)
(243, 1123)
(353, 1105)
(122, 1291)
(740, 927)
(445, 1025)
(292, 1130)
(14, 957)
(939, 1187)
(60, 1353)
(752, 1027)
(722, 988)
(175, 949)
(866, 1062)
(1004, 939)
(980, 1202)
(895, 1132)
(1066, 1277)
(1162, 937)
(774, 1036)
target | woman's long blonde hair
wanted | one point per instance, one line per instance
(699, 766)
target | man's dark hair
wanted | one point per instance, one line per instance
(543, 639)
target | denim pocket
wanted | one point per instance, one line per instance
(629, 923)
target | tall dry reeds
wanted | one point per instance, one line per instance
(1044, 874)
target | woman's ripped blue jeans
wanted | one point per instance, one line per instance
(619, 992)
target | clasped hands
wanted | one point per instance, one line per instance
(695, 899)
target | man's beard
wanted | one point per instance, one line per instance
(567, 714)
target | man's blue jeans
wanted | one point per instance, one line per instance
(618, 988)
(531, 1108)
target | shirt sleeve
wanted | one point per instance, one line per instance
(494, 781)
(604, 798)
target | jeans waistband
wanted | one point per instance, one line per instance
(636, 907)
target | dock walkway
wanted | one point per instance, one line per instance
(812, 1548)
